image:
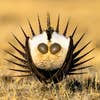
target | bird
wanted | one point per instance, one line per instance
(50, 56)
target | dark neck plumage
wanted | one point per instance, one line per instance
(49, 32)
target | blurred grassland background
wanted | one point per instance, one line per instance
(84, 13)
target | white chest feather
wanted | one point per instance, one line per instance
(49, 60)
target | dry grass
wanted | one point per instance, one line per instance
(30, 89)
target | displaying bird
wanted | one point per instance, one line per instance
(50, 56)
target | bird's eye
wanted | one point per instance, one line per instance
(54, 48)
(43, 48)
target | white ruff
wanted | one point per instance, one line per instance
(41, 38)
(48, 60)
(60, 39)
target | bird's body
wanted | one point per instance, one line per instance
(50, 56)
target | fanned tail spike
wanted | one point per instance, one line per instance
(40, 28)
(57, 27)
(23, 32)
(74, 31)
(76, 73)
(78, 52)
(79, 41)
(32, 31)
(19, 42)
(66, 28)
(81, 68)
(20, 52)
(20, 59)
(82, 62)
(23, 66)
(79, 58)
(26, 71)
(48, 21)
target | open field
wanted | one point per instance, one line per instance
(85, 14)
